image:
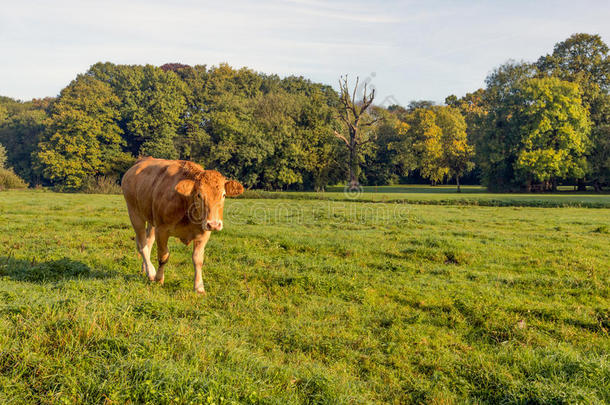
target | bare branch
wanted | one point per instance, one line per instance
(345, 118)
(355, 88)
(368, 124)
(344, 139)
(367, 101)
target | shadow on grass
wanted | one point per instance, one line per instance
(53, 270)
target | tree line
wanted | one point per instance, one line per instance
(533, 126)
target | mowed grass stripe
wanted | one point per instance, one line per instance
(447, 195)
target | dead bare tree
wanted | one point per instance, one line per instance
(351, 112)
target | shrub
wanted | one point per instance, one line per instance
(101, 185)
(8, 180)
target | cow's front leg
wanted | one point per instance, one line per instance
(162, 253)
(198, 249)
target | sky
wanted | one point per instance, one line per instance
(406, 50)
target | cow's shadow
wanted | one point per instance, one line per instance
(48, 271)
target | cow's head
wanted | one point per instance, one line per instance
(206, 197)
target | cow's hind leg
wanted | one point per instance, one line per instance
(150, 240)
(139, 225)
(162, 253)
(150, 237)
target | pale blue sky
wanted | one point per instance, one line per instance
(416, 49)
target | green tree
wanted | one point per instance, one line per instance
(424, 104)
(161, 145)
(598, 155)
(193, 141)
(316, 119)
(457, 151)
(497, 145)
(268, 132)
(238, 146)
(152, 104)
(277, 114)
(82, 138)
(553, 126)
(583, 59)
(219, 128)
(3, 114)
(21, 132)
(425, 138)
(474, 109)
(390, 156)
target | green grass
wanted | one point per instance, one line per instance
(308, 302)
(447, 195)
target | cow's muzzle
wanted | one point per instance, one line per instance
(214, 225)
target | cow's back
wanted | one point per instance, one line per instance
(149, 188)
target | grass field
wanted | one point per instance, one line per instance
(309, 301)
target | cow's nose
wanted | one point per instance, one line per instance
(215, 225)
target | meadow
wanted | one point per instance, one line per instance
(310, 301)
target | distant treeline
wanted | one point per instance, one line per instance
(535, 125)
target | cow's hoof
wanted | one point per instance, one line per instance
(160, 278)
(200, 290)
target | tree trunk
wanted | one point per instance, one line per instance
(353, 160)
(581, 185)
(547, 186)
(353, 177)
(457, 180)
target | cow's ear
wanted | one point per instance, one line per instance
(185, 187)
(233, 188)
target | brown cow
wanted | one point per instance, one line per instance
(174, 198)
